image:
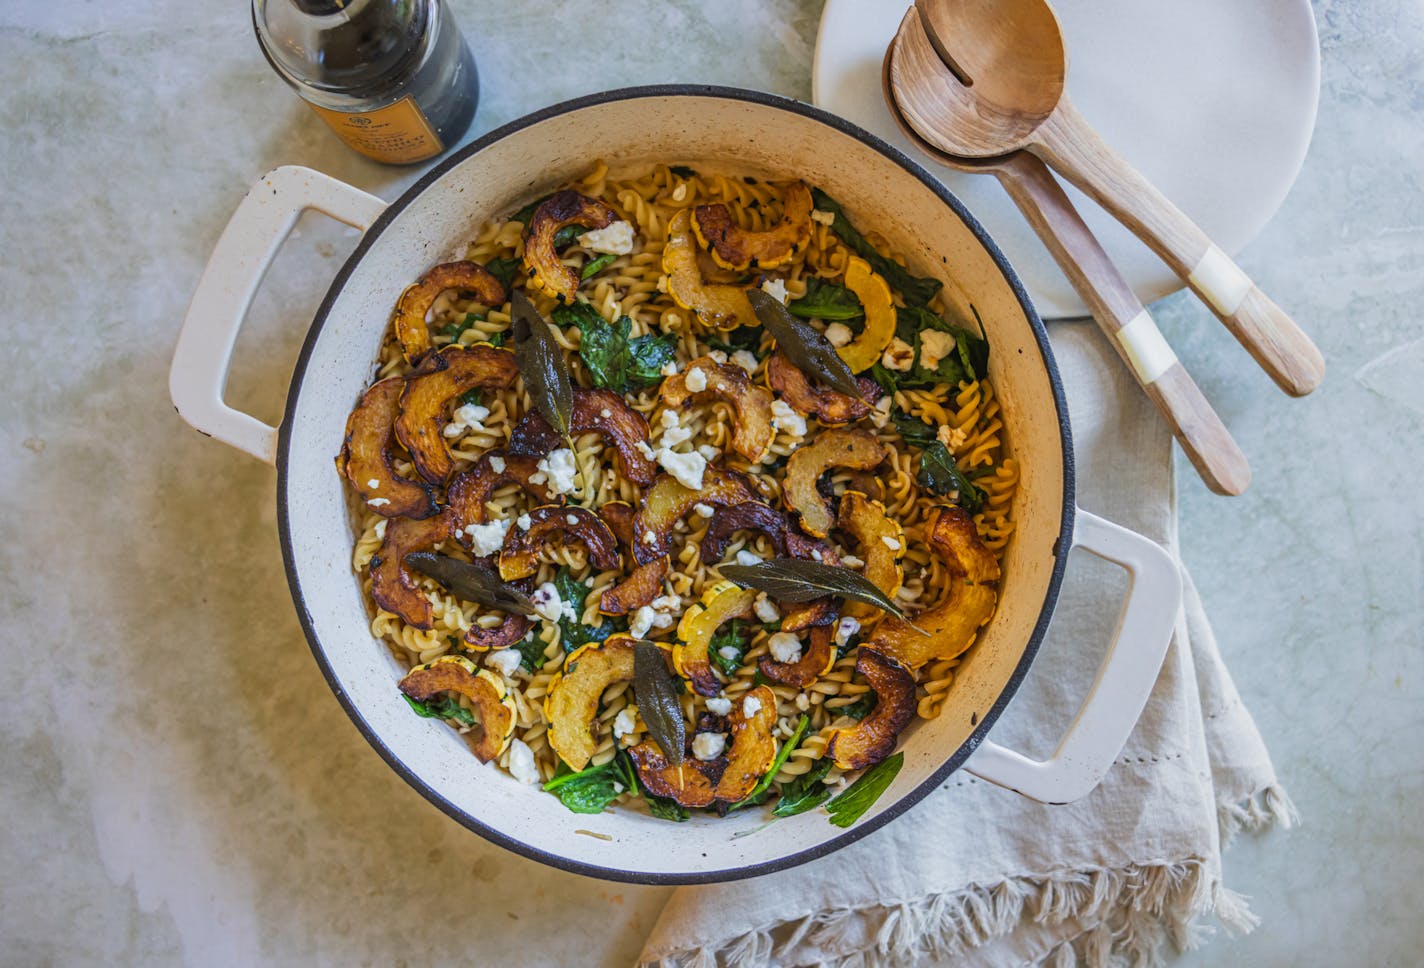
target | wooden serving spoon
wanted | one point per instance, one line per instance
(991, 81)
(1129, 327)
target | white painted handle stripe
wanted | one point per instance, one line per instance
(1146, 347)
(1220, 281)
(244, 252)
(1125, 678)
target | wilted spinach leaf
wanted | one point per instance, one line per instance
(763, 788)
(806, 792)
(968, 360)
(742, 338)
(531, 651)
(593, 267)
(913, 430)
(447, 707)
(736, 634)
(916, 290)
(592, 789)
(614, 359)
(682, 171)
(526, 213)
(503, 270)
(940, 474)
(572, 632)
(859, 709)
(826, 300)
(567, 236)
(847, 808)
(452, 331)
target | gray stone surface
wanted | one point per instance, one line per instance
(178, 783)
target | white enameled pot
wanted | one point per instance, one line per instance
(708, 128)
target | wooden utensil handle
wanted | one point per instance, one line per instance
(1204, 438)
(1068, 143)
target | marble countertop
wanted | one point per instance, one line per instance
(178, 783)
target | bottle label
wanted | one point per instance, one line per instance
(396, 134)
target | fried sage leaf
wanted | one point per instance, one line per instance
(812, 353)
(541, 362)
(861, 795)
(792, 580)
(657, 701)
(470, 582)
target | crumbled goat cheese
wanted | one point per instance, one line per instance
(486, 539)
(381, 529)
(718, 355)
(746, 360)
(708, 452)
(803, 702)
(890, 542)
(745, 557)
(785, 647)
(524, 522)
(825, 218)
(649, 537)
(497, 464)
(729, 652)
(839, 334)
(880, 416)
(546, 602)
(561, 470)
(624, 723)
(708, 746)
(669, 368)
(816, 554)
(750, 707)
(775, 288)
(379, 502)
(471, 414)
(668, 603)
(951, 437)
(934, 346)
(605, 413)
(787, 420)
(696, 380)
(851, 561)
(680, 192)
(720, 705)
(765, 608)
(506, 661)
(521, 763)
(687, 468)
(572, 519)
(642, 622)
(899, 355)
(845, 628)
(673, 432)
(663, 620)
(374, 484)
(618, 787)
(616, 239)
(703, 510)
(643, 448)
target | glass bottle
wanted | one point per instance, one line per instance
(393, 78)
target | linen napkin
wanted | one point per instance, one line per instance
(988, 877)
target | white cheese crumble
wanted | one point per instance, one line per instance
(687, 468)
(746, 359)
(642, 622)
(486, 539)
(934, 346)
(524, 522)
(890, 542)
(703, 510)
(471, 414)
(880, 416)
(673, 432)
(765, 608)
(605, 413)
(506, 661)
(803, 702)
(649, 537)
(899, 355)
(561, 470)
(775, 288)
(379, 502)
(615, 239)
(521, 763)
(750, 707)
(497, 464)
(669, 368)
(718, 355)
(572, 519)
(708, 452)
(851, 561)
(374, 484)
(625, 723)
(816, 554)
(546, 602)
(785, 647)
(729, 652)
(839, 334)
(787, 420)
(708, 746)
(745, 557)
(680, 192)
(696, 380)
(845, 628)
(825, 218)
(720, 705)
(643, 448)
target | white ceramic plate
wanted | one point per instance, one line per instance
(1213, 100)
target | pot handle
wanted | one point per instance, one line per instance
(1124, 681)
(240, 259)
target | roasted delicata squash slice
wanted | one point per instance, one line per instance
(729, 383)
(470, 490)
(728, 778)
(392, 586)
(600, 411)
(830, 407)
(720, 603)
(881, 544)
(874, 294)
(485, 691)
(668, 501)
(556, 524)
(546, 270)
(430, 395)
(785, 539)
(409, 318)
(954, 621)
(502, 636)
(717, 305)
(572, 703)
(645, 582)
(734, 247)
(366, 456)
(874, 737)
(816, 660)
(837, 447)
